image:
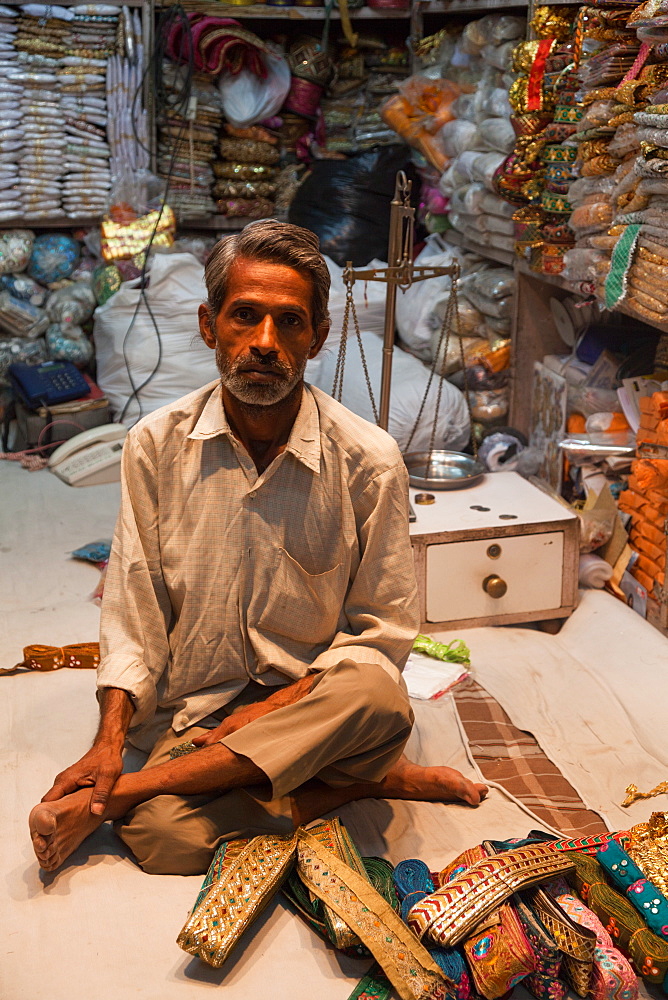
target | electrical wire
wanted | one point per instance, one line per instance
(165, 99)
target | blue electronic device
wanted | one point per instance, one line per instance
(47, 384)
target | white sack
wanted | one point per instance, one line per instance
(369, 299)
(247, 99)
(420, 309)
(174, 295)
(409, 381)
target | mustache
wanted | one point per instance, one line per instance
(271, 365)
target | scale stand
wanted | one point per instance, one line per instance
(400, 273)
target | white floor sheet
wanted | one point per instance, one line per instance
(101, 929)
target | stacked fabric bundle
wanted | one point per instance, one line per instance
(536, 175)
(481, 135)
(11, 134)
(618, 200)
(89, 43)
(646, 499)
(40, 41)
(187, 146)
(246, 172)
(52, 73)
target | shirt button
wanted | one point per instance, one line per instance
(252, 493)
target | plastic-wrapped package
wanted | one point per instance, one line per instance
(489, 406)
(247, 98)
(63, 346)
(174, 295)
(497, 134)
(597, 115)
(457, 136)
(493, 29)
(71, 306)
(499, 56)
(588, 400)
(16, 349)
(495, 103)
(496, 224)
(493, 205)
(484, 168)
(494, 283)
(596, 527)
(500, 308)
(15, 249)
(580, 264)
(591, 217)
(464, 108)
(625, 140)
(584, 187)
(468, 199)
(455, 358)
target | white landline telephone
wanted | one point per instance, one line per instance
(90, 458)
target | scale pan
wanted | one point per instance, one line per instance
(448, 470)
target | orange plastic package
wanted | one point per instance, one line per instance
(653, 534)
(650, 475)
(419, 111)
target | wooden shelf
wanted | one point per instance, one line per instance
(470, 6)
(214, 222)
(579, 288)
(499, 256)
(268, 12)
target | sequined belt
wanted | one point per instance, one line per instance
(81, 655)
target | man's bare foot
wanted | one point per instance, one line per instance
(406, 780)
(57, 828)
(410, 781)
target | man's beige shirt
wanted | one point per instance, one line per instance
(219, 575)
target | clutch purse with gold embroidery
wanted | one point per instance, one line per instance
(245, 877)
(451, 913)
(577, 943)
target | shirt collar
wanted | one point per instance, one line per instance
(304, 440)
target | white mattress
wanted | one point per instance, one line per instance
(101, 929)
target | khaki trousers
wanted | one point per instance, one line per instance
(352, 726)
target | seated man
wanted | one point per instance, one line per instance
(260, 599)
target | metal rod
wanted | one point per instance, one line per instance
(401, 220)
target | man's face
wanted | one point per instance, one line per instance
(263, 334)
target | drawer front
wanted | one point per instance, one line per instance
(529, 565)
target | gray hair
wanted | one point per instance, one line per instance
(276, 243)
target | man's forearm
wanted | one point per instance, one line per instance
(116, 711)
(291, 694)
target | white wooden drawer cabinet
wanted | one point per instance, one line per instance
(497, 553)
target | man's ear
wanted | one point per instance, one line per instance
(205, 328)
(319, 338)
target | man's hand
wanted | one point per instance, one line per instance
(103, 763)
(100, 767)
(235, 721)
(279, 699)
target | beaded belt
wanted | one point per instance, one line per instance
(81, 655)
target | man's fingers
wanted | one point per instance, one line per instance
(63, 785)
(103, 788)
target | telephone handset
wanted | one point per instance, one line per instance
(90, 458)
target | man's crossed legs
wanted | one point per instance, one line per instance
(342, 742)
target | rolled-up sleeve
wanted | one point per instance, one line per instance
(136, 610)
(382, 603)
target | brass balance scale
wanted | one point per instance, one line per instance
(435, 469)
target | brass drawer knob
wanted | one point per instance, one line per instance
(494, 586)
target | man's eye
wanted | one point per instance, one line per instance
(291, 320)
(244, 314)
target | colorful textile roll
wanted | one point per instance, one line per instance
(451, 913)
(643, 894)
(413, 882)
(648, 952)
(613, 977)
(498, 952)
(577, 943)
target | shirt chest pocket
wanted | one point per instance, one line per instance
(304, 607)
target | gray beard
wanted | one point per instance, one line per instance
(252, 394)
